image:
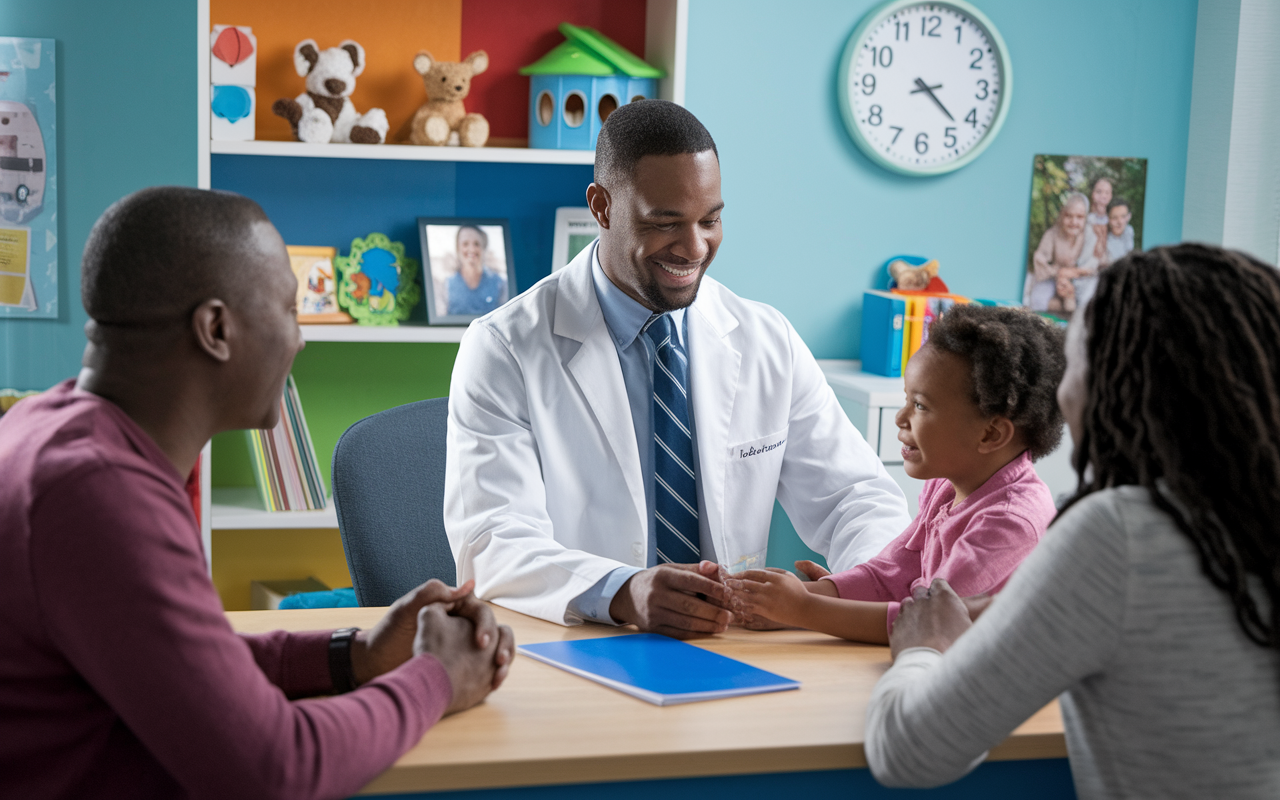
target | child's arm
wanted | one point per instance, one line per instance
(1042, 259)
(782, 597)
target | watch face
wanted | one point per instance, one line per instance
(924, 86)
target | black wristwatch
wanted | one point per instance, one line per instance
(340, 671)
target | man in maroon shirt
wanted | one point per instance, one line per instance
(119, 674)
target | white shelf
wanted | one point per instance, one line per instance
(240, 508)
(405, 152)
(382, 333)
(848, 380)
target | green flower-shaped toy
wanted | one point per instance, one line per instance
(378, 283)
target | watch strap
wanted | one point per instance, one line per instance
(340, 671)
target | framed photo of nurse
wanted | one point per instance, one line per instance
(468, 265)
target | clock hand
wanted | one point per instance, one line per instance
(924, 87)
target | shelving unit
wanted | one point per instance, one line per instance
(239, 508)
(379, 333)
(427, 181)
(405, 152)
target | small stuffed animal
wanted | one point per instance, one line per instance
(916, 278)
(324, 112)
(443, 115)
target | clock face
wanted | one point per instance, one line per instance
(924, 87)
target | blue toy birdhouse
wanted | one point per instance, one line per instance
(576, 86)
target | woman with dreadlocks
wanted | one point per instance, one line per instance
(1151, 604)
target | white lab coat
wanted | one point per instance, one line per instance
(543, 489)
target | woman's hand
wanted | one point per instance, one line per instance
(932, 617)
(773, 594)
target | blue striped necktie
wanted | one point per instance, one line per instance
(675, 484)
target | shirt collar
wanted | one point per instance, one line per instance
(625, 316)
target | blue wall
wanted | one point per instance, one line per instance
(126, 119)
(330, 201)
(808, 218)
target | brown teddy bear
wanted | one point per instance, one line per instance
(910, 277)
(443, 119)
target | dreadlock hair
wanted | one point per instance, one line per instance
(1016, 362)
(1183, 348)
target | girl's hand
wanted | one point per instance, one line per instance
(773, 594)
(812, 570)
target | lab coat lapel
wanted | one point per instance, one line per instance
(713, 377)
(597, 372)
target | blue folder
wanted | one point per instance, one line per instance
(882, 317)
(657, 668)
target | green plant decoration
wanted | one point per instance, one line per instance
(378, 283)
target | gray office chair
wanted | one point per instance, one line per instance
(388, 490)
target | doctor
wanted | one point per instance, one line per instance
(625, 425)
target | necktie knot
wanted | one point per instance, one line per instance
(661, 329)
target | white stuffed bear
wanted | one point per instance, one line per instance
(324, 112)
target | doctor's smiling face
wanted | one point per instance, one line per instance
(660, 227)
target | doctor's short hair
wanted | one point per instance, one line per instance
(1016, 360)
(155, 255)
(646, 128)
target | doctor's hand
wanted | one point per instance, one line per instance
(677, 600)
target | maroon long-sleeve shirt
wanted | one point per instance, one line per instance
(119, 674)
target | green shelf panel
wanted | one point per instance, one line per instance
(341, 383)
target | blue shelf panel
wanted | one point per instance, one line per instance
(330, 201)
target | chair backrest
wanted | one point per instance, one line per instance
(388, 490)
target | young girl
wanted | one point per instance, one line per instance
(981, 406)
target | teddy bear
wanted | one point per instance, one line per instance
(443, 119)
(910, 277)
(324, 112)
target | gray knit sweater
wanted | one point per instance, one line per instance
(1162, 695)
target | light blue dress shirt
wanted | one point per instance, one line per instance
(626, 321)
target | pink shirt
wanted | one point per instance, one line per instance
(974, 546)
(119, 674)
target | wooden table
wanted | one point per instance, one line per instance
(545, 726)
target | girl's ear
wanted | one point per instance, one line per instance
(1000, 432)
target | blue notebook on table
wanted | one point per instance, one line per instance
(657, 668)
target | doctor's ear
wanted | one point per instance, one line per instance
(600, 203)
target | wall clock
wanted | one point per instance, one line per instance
(924, 86)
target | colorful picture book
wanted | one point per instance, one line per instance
(895, 324)
(284, 460)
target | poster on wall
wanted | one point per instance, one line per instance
(1086, 214)
(28, 179)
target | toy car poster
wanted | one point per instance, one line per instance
(28, 179)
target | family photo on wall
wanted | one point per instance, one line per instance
(1086, 214)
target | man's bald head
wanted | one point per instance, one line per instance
(157, 254)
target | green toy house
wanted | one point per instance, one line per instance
(576, 86)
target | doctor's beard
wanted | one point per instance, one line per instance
(661, 298)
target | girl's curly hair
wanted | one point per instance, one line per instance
(1016, 363)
